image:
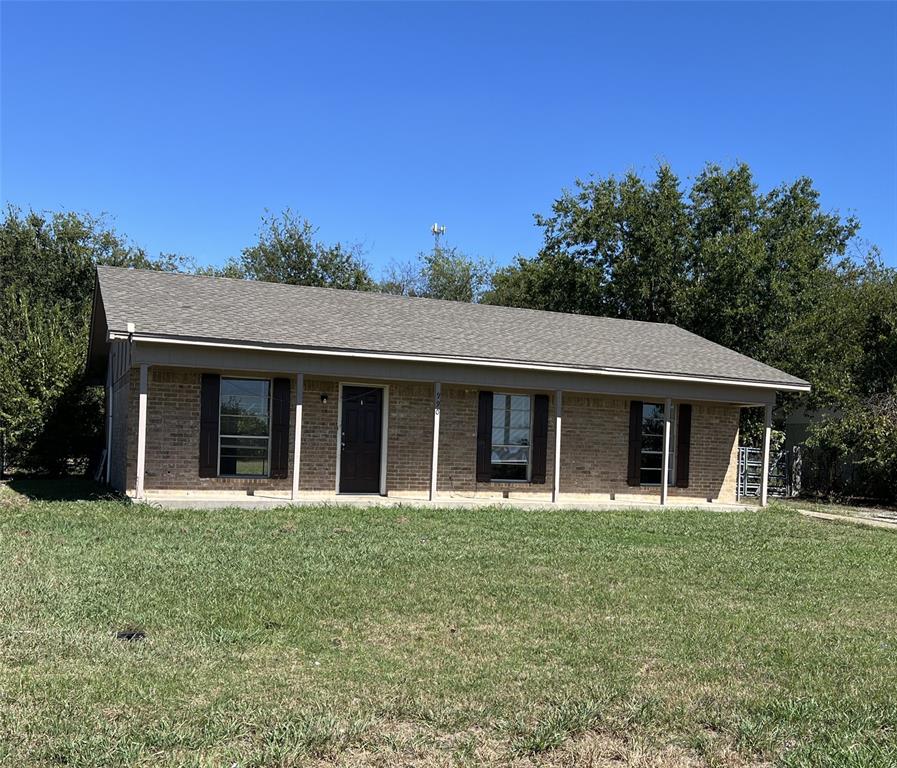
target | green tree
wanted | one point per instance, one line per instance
(759, 259)
(614, 248)
(47, 414)
(765, 273)
(442, 273)
(864, 433)
(723, 260)
(844, 339)
(287, 252)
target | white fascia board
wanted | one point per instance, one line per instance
(465, 361)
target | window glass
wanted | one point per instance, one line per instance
(511, 436)
(244, 427)
(651, 466)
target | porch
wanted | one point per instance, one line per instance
(428, 445)
(273, 499)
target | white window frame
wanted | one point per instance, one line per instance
(671, 473)
(529, 452)
(255, 437)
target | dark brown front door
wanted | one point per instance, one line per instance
(359, 470)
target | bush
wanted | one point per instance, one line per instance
(860, 448)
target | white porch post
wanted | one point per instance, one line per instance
(665, 461)
(558, 404)
(297, 435)
(434, 461)
(109, 381)
(764, 477)
(141, 431)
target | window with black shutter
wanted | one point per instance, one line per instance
(512, 433)
(646, 422)
(512, 437)
(245, 428)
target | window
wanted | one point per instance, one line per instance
(651, 467)
(244, 427)
(511, 436)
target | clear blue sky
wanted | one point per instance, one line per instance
(185, 121)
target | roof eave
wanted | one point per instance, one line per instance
(790, 386)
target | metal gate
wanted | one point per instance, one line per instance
(750, 470)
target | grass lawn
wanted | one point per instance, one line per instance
(845, 510)
(425, 637)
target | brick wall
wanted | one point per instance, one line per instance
(410, 439)
(458, 451)
(594, 443)
(595, 449)
(319, 426)
(172, 436)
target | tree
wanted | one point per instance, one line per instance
(765, 273)
(614, 248)
(723, 260)
(844, 340)
(47, 413)
(759, 260)
(442, 273)
(287, 252)
(865, 434)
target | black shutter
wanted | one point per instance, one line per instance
(683, 445)
(484, 438)
(540, 438)
(210, 392)
(633, 475)
(280, 427)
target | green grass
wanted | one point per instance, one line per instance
(432, 637)
(847, 510)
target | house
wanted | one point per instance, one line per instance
(215, 384)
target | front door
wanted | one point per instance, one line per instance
(359, 467)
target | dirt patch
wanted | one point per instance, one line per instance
(410, 744)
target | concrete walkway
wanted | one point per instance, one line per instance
(272, 499)
(868, 521)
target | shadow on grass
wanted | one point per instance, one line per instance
(63, 489)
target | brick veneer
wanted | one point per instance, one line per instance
(593, 447)
(458, 451)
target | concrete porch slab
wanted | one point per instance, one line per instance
(273, 499)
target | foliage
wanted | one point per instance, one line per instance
(845, 340)
(722, 260)
(47, 414)
(769, 274)
(442, 273)
(287, 252)
(865, 433)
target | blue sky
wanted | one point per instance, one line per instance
(185, 121)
